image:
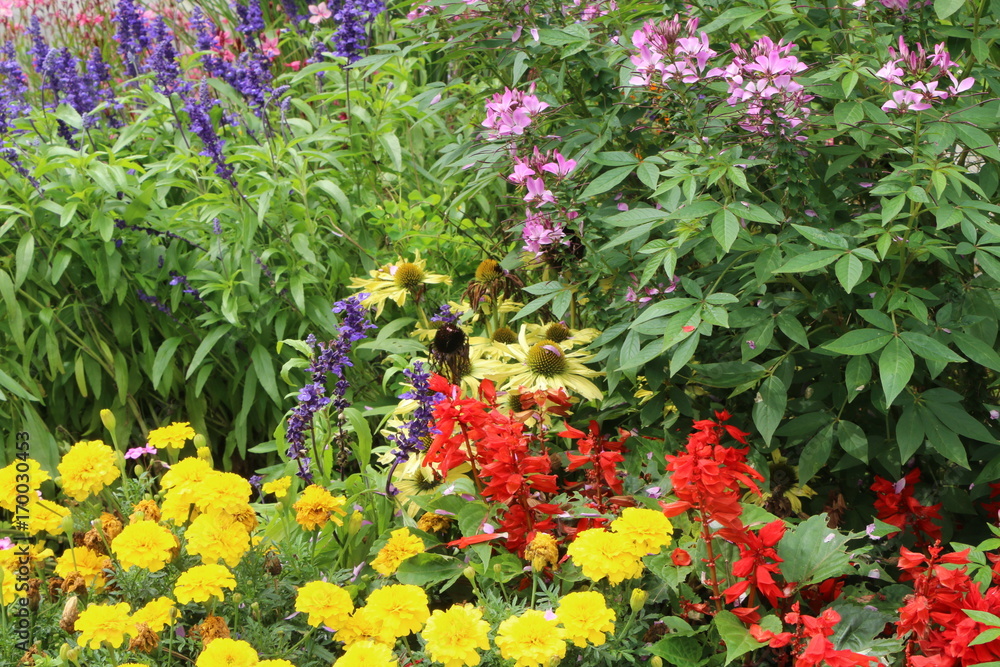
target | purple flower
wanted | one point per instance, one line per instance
(163, 58)
(131, 35)
(445, 316)
(198, 108)
(415, 434)
(752, 345)
(333, 358)
(994, 414)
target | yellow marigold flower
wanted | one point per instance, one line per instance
(182, 484)
(225, 652)
(100, 623)
(46, 516)
(157, 614)
(400, 546)
(531, 640)
(278, 487)
(316, 506)
(367, 654)
(221, 491)
(364, 625)
(87, 562)
(542, 552)
(393, 282)
(173, 436)
(274, 663)
(602, 554)
(32, 476)
(32, 554)
(87, 468)
(453, 636)
(217, 537)
(203, 582)
(585, 617)
(403, 608)
(327, 604)
(649, 530)
(8, 589)
(145, 544)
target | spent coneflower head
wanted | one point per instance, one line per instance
(492, 285)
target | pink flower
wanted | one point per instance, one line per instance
(537, 191)
(561, 167)
(906, 100)
(319, 13)
(269, 46)
(136, 452)
(521, 172)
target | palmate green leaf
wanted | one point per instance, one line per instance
(769, 407)
(735, 635)
(812, 552)
(809, 261)
(860, 341)
(895, 368)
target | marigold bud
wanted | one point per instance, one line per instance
(470, 574)
(656, 661)
(638, 600)
(354, 523)
(108, 419)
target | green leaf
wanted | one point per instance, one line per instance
(735, 634)
(822, 238)
(849, 270)
(945, 8)
(649, 174)
(928, 348)
(680, 650)
(22, 259)
(909, 434)
(362, 449)
(978, 351)
(944, 441)
(791, 327)
(390, 142)
(853, 440)
(984, 617)
(769, 407)
(975, 138)
(812, 552)
(532, 306)
(264, 368)
(848, 113)
(861, 341)
(857, 375)
(957, 419)
(725, 229)
(809, 261)
(815, 454)
(425, 568)
(162, 359)
(895, 367)
(607, 180)
(614, 158)
(985, 636)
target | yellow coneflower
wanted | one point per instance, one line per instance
(559, 333)
(546, 365)
(393, 282)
